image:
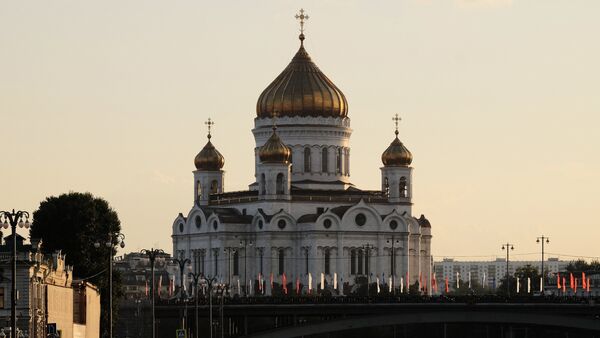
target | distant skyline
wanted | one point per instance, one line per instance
(498, 98)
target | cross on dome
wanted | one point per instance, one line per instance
(396, 120)
(209, 123)
(301, 18)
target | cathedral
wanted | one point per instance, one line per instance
(302, 226)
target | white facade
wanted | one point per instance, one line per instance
(303, 216)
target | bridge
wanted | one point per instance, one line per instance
(378, 317)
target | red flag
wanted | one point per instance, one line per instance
(433, 283)
(588, 285)
(297, 285)
(271, 280)
(572, 280)
(583, 280)
(259, 282)
(575, 288)
(564, 284)
(284, 282)
(146, 289)
(558, 281)
(447, 288)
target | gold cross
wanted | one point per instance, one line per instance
(396, 119)
(209, 124)
(301, 17)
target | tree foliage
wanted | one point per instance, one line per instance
(580, 266)
(73, 223)
(522, 274)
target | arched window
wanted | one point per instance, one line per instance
(279, 184)
(338, 160)
(386, 187)
(403, 188)
(307, 163)
(236, 263)
(324, 160)
(327, 257)
(198, 191)
(263, 188)
(214, 187)
(281, 259)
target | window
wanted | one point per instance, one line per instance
(216, 262)
(198, 191)
(393, 224)
(327, 223)
(214, 187)
(327, 256)
(279, 184)
(281, 261)
(338, 160)
(236, 263)
(198, 221)
(200, 264)
(281, 224)
(386, 187)
(180, 227)
(360, 219)
(1, 298)
(403, 188)
(353, 262)
(307, 166)
(324, 160)
(359, 270)
(262, 184)
(347, 162)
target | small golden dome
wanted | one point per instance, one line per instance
(302, 90)
(209, 158)
(274, 150)
(396, 154)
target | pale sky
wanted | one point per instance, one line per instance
(499, 99)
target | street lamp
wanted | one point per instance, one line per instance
(14, 218)
(181, 262)
(245, 243)
(114, 239)
(508, 247)
(543, 239)
(393, 241)
(152, 254)
(196, 277)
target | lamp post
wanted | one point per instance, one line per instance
(367, 248)
(14, 218)
(152, 253)
(181, 262)
(196, 278)
(209, 281)
(508, 247)
(393, 241)
(543, 239)
(245, 243)
(114, 239)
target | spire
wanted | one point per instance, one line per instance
(301, 17)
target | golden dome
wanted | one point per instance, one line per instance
(302, 90)
(209, 158)
(274, 151)
(396, 154)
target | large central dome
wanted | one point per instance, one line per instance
(302, 90)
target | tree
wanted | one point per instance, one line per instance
(579, 266)
(522, 274)
(72, 223)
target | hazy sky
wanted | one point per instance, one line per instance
(499, 99)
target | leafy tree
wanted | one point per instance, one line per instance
(475, 289)
(522, 274)
(73, 223)
(580, 265)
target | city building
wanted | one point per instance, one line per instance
(136, 275)
(302, 218)
(47, 294)
(488, 273)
